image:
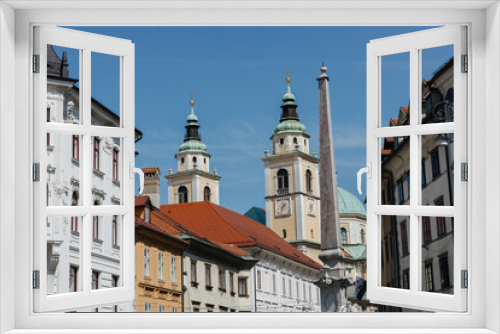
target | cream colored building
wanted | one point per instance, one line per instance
(292, 182)
(193, 181)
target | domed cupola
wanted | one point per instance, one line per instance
(289, 121)
(192, 139)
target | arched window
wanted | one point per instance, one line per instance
(195, 160)
(362, 236)
(74, 220)
(282, 181)
(282, 141)
(206, 194)
(312, 233)
(305, 142)
(343, 233)
(183, 194)
(295, 140)
(182, 160)
(309, 187)
(284, 233)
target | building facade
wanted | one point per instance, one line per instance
(193, 181)
(63, 185)
(292, 182)
(158, 263)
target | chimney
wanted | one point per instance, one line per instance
(152, 185)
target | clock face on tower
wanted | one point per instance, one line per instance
(311, 207)
(282, 207)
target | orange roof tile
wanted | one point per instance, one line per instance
(155, 228)
(150, 169)
(228, 227)
(386, 151)
(405, 109)
(141, 200)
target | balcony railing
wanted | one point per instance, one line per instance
(282, 191)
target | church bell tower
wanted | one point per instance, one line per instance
(193, 181)
(292, 182)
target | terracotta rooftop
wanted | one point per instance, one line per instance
(150, 170)
(222, 225)
(167, 226)
(405, 109)
(141, 200)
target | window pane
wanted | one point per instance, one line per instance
(395, 90)
(437, 84)
(63, 256)
(437, 254)
(107, 171)
(106, 259)
(395, 176)
(63, 94)
(395, 251)
(63, 170)
(437, 169)
(105, 89)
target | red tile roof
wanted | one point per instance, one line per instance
(155, 228)
(141, 200)
(405, 109)
(150, 170)
(222, 225)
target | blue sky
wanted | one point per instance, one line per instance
(238, 75)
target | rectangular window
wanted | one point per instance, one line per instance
(404, 238)
(95, 227)
(48, 120)
(290, 288)
(426, 229)
(115, 285)
(444, 271)
(76, 147)
(429, 281)
(435, 163)
(114, 231)
(222, 279)
(424, 180)
(283, 286)
(73, 279)
(161, 308)
(173, 269)
(441, 222)
(406, 279)
(208, 276)
(297, 290)
(115, 164)
(147, 261)
(408, 185)
(160, 266)
(147, 307)
(259, 279)
(242, 287)
(274, 282)
(96, 160)
(175, 309)
(194, 273)
(401, 197)
(231, 283)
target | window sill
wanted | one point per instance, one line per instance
(98, 172)
(194, 284)
(209, 287)
(75, 234)
(116, 247)
(116, 182)
(97, 241)
(75, 161)
(222, 290)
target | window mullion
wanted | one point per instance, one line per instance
(415, 106)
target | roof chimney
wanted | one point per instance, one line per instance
(152, 185)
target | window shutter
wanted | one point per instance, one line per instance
(423, 269)
(49, 297)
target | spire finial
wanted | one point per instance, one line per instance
(288, 75)
(192, 100)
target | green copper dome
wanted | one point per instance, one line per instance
(288, 98)
(290, 126)
(193, 145)
(349, 203)
(192, 117)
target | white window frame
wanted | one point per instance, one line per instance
(161, 266)
(173, 269)
(147, 261)
(16, 19)
(376, 132)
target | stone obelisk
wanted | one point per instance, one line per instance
(334, 276)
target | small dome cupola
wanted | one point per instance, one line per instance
(192, 138)
(289, 121)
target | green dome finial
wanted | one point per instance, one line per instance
(192, 117)
(288, 98)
